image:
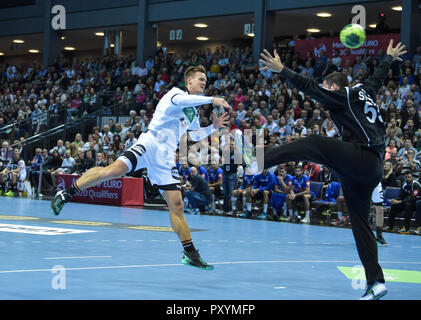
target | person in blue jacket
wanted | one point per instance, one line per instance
(245, 187)
(279, 194)
(262, 188)
(301, 191)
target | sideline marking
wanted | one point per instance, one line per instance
(6, 217)
(86, 257)
(390, 275)
(82, 222)
(39, 230)
(215, 263)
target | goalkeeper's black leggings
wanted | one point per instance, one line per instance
(359, 170)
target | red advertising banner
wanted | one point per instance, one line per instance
(373, 43)
(121, 191)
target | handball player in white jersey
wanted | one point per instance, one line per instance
(175, 114)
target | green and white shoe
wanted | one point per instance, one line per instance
(375, 291)
(60, 199)
(193, 259)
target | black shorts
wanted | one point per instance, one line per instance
(217, 191)
(259, 195)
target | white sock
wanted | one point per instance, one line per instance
(234, 203)
(248, 206)
(275, 212)
(291, 213)
(339, 215)
(244, 201)
(265, 208)
(308, 214)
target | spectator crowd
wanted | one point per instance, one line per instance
(35, 97)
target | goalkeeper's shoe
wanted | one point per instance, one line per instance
(375, 291)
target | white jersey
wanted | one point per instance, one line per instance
(175, 114)
(155, 150)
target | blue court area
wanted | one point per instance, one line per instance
(104, 252)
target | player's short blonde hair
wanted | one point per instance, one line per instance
(190, 71)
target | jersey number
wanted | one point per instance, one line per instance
(371, 113)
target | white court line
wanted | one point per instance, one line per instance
(85, 257)
(214, 263)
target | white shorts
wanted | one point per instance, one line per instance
(154, 155)
(377, 195)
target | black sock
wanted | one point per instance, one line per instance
(73, 189)
(188, 245)
(379, 232)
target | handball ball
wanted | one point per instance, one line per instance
(352, 36)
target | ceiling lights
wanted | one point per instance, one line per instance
(313, 30)
(202, 38)
(33, 51)
(373, 25)
(200, 25)
(99, 34)
(18, 41)
(397, 8)
(324, 14)
(250, 35)
(69, 48)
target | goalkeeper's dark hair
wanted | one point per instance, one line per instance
(337, 78)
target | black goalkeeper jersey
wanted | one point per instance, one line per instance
(352, 109)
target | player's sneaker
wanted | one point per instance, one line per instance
(246, 214)
(380, 240)
(9, 193)
(195, 211)
(306, 220)
(193, 259)
(403, 230)
(59, 201)
(375, 291)
(219, 212)
(275, 217)
(418, 231)
(263, 216)
(387, 229)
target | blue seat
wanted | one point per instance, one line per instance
(316, 187)
(331, 194)
(390, 193)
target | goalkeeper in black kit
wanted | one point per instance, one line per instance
(356, 159)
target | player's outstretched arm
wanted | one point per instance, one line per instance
(329, 99)
(393, 53)
(192, 100)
